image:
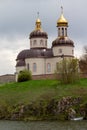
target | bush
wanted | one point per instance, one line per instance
(24, 75)
(68, 70)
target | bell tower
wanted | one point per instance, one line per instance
(63, 45)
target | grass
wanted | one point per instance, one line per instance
(34, 90)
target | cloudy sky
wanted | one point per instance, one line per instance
(17, 20)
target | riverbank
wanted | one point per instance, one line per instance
(43, 100)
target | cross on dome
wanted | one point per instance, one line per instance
(38, 14)
(61, 9)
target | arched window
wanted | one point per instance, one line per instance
(31, 43)
(34, 67)
(46, 43)
(35, 42)
(72, 51)
(48, 67)
(60, 51)
(58, 31)
(62, 31)
(28, 67)
(66, 31)
(41, 42)
(56, 65)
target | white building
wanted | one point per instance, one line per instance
(39, 59)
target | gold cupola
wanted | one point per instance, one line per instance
(38, 31)
(38, 23)
(62, 21)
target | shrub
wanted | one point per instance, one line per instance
(24, 75)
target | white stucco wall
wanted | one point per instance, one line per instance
(38, 43)
(66, 50)
(39, 64)
(18, 69)
(42, 65)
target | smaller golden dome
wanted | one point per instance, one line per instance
(38, 24)
(38, 21)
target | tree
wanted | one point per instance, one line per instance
(24, 75)
(68, 70)
(83, 61)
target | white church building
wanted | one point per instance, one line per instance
(40, 59)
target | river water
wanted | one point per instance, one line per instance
(43, 125)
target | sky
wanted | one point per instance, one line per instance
(17, 21)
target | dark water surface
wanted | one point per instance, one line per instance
(43, 125)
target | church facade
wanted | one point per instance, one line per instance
(40, 59)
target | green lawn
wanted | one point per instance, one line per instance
(34, 90)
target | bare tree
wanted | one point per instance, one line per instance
(68, 70)
(85, 49)
(83, 61)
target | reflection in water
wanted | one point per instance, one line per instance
(43, 125)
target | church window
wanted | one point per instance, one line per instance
(28, 66)
(59, 31)
(72, 52)
(57, 65)
(34, 67)
(31, 43)
(62, 31)
(35, 42)
(66, 31)
(48, 67)
(41, 42)
(60, 51)
(46, 43)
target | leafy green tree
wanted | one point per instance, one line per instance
(24, 75)
(68, 70)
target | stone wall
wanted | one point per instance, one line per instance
(83, 75)
(11, 77)
(7, 78)
(47, 76)
(54, 76)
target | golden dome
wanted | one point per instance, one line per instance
(62, 21)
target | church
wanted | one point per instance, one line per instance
(40, 59)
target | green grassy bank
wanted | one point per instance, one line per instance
(12, 94)
(25, 92)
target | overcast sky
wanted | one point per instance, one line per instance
(17, 20)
